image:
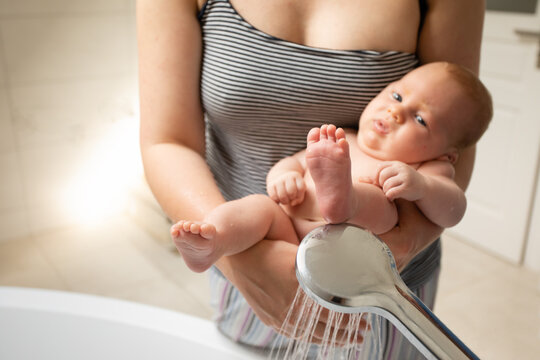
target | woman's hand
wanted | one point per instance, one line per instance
(265, 275)
(413, 233)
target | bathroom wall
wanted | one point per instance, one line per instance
(532, 253)
(67, 76)
(501, 193)
(68, 86)
(521, 6)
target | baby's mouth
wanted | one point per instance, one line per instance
(380, 126)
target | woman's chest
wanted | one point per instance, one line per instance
(380, 25)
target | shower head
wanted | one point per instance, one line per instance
(347, 269)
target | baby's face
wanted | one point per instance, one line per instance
(413, 119)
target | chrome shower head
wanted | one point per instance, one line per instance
(350, 270)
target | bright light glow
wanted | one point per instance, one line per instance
(101, 187)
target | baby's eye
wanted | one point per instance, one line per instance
(420, 120)
(396, 96)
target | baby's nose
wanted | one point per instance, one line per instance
(396, 115)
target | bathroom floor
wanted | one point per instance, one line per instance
(76, 215)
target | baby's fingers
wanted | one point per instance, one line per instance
(282, 194)
(295, 190)
(272, 192)
(393, 188)
(300, 192)
(385, 171)
(278, 192)
(291, 188)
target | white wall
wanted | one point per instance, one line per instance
(532, 254)
(67, 73)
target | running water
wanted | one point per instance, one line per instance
(300, 326)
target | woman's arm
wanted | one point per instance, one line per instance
(172, 126)
(452, 31)
(172, 146)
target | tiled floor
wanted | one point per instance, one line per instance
(492, 306)
(114, 259)
(76, 216)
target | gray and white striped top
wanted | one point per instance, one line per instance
(261, 94)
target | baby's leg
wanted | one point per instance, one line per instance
(231, 228)
(329, 162)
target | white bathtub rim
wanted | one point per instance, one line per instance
(173, 323)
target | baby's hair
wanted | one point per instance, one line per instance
(479, 94)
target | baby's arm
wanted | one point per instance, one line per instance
(431, 187)
(444, 202)
(285, 180)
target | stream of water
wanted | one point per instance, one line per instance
(341, 338)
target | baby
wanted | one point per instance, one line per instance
(409, 137)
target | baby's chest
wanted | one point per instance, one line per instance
(363, 166)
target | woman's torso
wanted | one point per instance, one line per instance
(266, 79)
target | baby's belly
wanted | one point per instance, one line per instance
(304, 226)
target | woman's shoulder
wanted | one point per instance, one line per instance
(452, 31)
(200, 4)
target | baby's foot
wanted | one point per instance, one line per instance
(196, 242)
(329, 162)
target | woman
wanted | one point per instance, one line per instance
(221, 78)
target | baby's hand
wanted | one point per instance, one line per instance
(400, 181)
(287, 189)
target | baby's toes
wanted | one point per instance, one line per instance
(344, 146)
(195, 228)
(207, 231)
(313, 135)
(186, 225)
(331, 132)
(340, 134)
(176, 228)
(324, 132)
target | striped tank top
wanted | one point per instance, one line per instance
(261, 95)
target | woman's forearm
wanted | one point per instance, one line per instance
(269, 294)
(184, 188)
(464, 167)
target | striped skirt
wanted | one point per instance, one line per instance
(237, 321)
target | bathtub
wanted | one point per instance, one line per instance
(45, 324)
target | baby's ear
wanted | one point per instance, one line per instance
(451, 156)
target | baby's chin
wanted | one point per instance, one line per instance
(371, 146)
(370, 139)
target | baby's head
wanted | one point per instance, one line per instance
(433, 112)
